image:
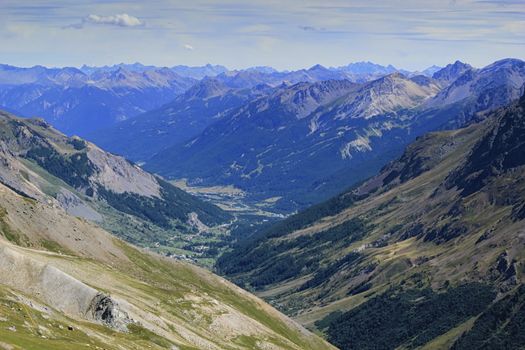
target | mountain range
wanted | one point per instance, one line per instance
(177, 121)
(76, 102)
(428, 253)
(81, 100)
(302, 143)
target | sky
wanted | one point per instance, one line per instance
(285, 34)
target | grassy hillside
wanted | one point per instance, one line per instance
(435, 230)
(65, 283)
(43, 164)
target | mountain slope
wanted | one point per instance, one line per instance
(451, 72)
(301, 141)
(65, 283)
(485, 89)
(41, 163)
(437, 229)
(183, 118)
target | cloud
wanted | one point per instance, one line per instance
(189, 47)
(311, 29)
(119, 20)
(255, 28)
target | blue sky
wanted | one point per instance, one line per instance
(285, 34)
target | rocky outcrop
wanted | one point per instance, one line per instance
(106, 310)
(59, 290)
(73, 205)
(500, 150)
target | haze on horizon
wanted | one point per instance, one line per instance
(287, 34)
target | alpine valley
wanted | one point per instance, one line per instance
(370, 207)
(68, 283)
(428, 253)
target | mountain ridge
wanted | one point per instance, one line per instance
(43, 164)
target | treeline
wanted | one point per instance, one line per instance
(175, 204)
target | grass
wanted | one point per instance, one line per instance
(156, 273)
(161, 288)
(54, 247)
(148, 336)
(446, 340)
(10, 234)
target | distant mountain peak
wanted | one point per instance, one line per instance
(506, 63)
(262, 69)
(451, 72)
(429, 72)
(395, 75)
(367, 68)
(317, 67)
(207, 87)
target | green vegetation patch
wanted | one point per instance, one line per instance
(10, 234)
(74, 169)
(149, 336)
(175, 204)
(282, 260)
(53, 246)
(322, 275)
(409, 318)
(501, 327)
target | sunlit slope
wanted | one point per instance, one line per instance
(65, 283)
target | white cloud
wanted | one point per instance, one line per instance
(121, 20)
(189, 47)
(255, 28)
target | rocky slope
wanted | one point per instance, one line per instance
(186, 116)
(65, 283)
(451, 72)
(428, 253)
(40, 163)
(484, 89)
